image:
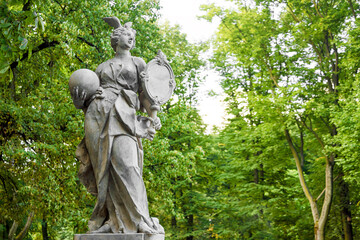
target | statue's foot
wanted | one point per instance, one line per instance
(144, 228)
(157, 226)
(160, 229)
(103, 229)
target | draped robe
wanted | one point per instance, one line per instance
(111, 154)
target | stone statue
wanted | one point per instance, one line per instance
(111, 153)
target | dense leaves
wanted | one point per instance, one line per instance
(286, 74)
(285, 166)
(42, 43)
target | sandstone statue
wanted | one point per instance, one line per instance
(111, 152)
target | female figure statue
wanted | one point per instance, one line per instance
(111, 151)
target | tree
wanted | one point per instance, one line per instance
(42, 44)
(176, 152)
(293, 69)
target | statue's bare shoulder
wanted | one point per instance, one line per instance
(101, 67)
(141, 64)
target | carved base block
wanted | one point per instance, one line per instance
(119, 236)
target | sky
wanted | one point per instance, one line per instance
(185, 13)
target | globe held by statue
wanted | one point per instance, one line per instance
(83, 84)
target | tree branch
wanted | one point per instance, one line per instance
(320, 195)
(352, 8)
(24, 231)
(313, 205)
(3, 183)
(326, 124)
(88, 43)
(316, 50)
(273, 78)
(62, 8)
(325, 188)
(26, 6)
(12, 231)
(328, 192)
(313, 132)
(335, 66)
(42, 46)
(77, 57)
(292, 13)
(317, 10)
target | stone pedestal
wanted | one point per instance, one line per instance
(118, 236)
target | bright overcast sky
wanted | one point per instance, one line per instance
(185, 13)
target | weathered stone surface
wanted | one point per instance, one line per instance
(107, 236)
(83, 82)
(159, 83)
(111, 153)
(154, 237)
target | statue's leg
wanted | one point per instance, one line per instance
(126, 187)
(93, 130)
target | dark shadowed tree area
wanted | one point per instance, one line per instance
(284, 166)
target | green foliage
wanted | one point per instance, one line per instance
(185, 60)
(287, 67)
(42, 43)
(171, 165)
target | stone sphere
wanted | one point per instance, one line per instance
(86, 82)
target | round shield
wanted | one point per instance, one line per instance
(159, 83)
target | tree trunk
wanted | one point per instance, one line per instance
(256, 176)
(345, 211)
(173, 221)
(329, 169)
(24, 231)
(346, 222)
(319, 234)
(44, 229)
(12, 231)
(190, 226)
(190, 216)
(319, 219)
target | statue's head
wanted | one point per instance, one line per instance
(121, 34)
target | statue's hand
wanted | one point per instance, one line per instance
(78, 97)
(150, 133)
(143, 76)
(157, 123)
(145, 128)
(99, 93)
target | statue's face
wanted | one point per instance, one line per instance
(126, 40)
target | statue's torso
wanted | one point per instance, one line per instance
(118, 75)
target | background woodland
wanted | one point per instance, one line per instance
(284, 166)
